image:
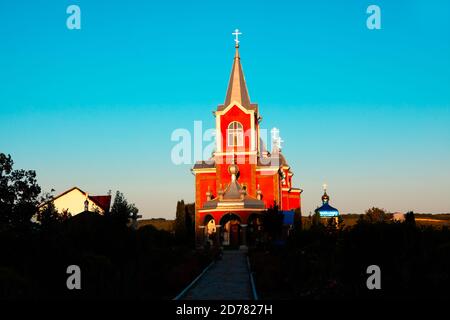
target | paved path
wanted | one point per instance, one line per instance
(227, 279)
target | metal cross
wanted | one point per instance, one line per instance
(276, 139)
(236, 33)
(325, 187)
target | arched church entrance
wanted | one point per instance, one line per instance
(231, 229)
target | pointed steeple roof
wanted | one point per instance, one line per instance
(237, 88)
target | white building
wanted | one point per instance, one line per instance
(76, 201)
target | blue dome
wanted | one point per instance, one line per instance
(327, 211)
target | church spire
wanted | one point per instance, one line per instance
(237, 89)
(325, 197)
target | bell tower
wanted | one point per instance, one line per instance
(237, 128)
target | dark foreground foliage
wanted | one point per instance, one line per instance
(115, 261)
(324, 262)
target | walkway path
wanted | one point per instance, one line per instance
(227, 279)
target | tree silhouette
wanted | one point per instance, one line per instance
(18, 195)
(184, 222)
(375, 215)
(190, 224)
(180, 221)
(272, 220)
(121, 210)
(297, 219)
(410, 218)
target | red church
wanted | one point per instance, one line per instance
(242, 178)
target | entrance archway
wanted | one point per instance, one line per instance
(231, 229)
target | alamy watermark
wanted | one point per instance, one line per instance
(73, 22)
(374, 280)
(373, 22)
(232, 146)
(74, 280)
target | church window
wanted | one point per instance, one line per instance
(235, 134)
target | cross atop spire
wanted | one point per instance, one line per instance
(237, 34)
(237, 88)
(325, 197)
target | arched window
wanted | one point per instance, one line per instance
(235, 134)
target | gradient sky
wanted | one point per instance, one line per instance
(366, 111)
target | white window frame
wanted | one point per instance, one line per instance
(235, 133)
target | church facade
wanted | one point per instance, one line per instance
(242, 179)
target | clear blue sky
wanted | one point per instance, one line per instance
(367, 111)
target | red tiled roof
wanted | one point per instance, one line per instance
(103, 202)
